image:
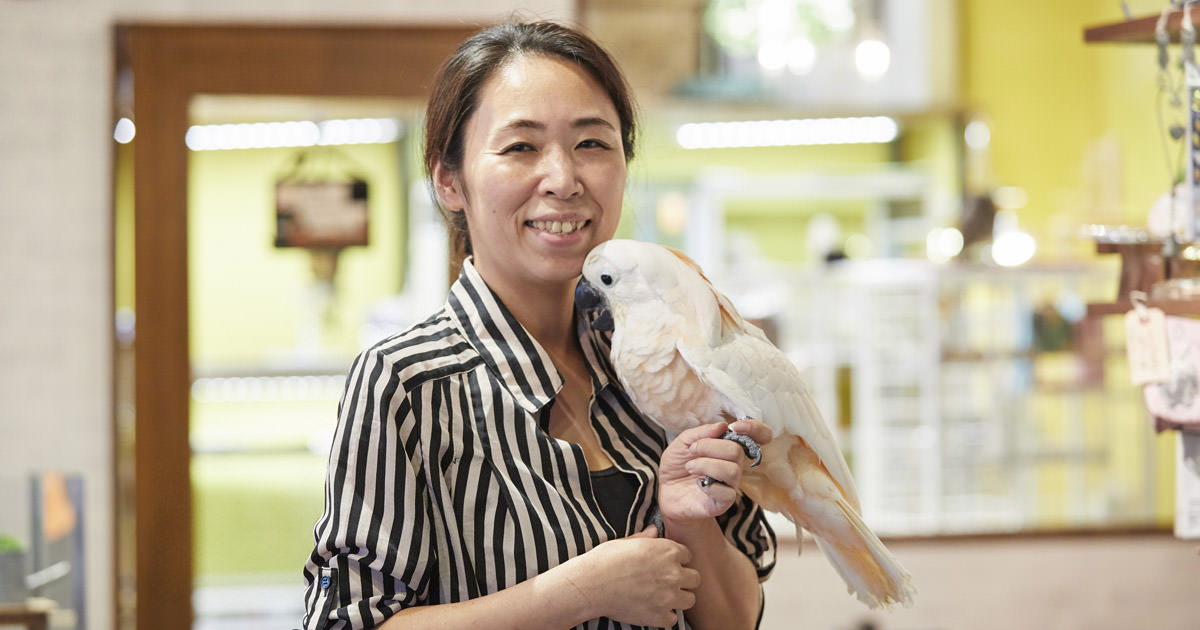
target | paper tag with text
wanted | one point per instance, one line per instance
(1146, 345)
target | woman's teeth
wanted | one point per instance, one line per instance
(556, 227)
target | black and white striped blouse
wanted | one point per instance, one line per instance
(443, 484)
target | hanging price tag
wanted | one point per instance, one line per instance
(1146, 346)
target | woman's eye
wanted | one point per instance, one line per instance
(519, 147)
(592, 144)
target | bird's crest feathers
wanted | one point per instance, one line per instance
(731, 320)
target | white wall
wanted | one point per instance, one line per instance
(55, 229)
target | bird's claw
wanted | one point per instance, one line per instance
(656, 519)
(752, 449)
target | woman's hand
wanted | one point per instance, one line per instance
(644, 579)
(641, 580)
(696, 453)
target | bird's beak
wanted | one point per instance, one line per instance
(593, 304)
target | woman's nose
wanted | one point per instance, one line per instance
(560, 177)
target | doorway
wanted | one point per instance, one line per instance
(170, 66)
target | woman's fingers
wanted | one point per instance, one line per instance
(700, 473)
(644, 581)
(716, 448)
(726, 471)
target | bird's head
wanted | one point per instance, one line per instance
(621, 274)
(624, 278)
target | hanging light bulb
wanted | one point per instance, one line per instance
(780, 35)
(1011, 247)
(872, 56)
(801, 55)
(775, 18)
(977, 134)
(124, 131)
(772, 56)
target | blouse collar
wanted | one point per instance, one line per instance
(510, 352)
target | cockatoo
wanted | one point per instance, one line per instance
(686, 357)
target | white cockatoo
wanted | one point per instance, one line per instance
(686, 358)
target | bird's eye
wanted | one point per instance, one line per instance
(606, 280)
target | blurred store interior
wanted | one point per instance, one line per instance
(942, 210)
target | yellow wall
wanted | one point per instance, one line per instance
(1073, 124)
(1076, 125)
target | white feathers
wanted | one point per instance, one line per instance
(686, 358)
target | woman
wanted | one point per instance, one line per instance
(487, 467)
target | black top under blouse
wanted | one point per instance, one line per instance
(615, 492)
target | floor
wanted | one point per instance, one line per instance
(1091, 582)
(248, 607)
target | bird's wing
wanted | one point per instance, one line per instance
(739, 361)
(762, 383)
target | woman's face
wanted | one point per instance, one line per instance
(543, 173)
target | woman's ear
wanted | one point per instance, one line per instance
(445, 183)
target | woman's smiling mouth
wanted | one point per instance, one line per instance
(557, 227)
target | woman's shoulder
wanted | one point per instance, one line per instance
(431, 348)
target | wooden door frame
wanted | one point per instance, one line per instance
(171, 63)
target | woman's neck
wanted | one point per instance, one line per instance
(552, 323)
(547, 312)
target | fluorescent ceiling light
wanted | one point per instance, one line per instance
(298, 133)
(776, 133)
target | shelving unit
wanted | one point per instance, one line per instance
(955, 415)
(1140, 31)
(1137, 30)
(1170, 307)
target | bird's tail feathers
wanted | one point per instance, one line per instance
(870, 571)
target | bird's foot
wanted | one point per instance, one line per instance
(656, 519)
(752, 449)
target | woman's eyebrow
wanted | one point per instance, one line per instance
(594, 121)
(521, 123)
(579, 123)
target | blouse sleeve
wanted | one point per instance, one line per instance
(373, 542)
(745, 525)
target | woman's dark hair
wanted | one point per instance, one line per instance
(456, 91)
